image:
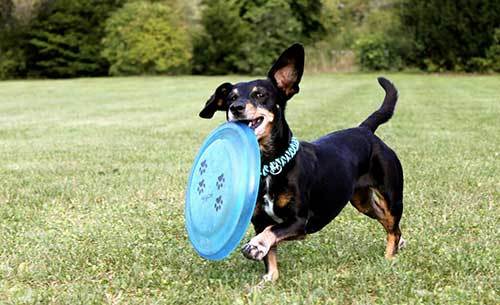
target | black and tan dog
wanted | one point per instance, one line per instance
(305, 194)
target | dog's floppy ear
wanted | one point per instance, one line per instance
(216, 102)
(287, 70)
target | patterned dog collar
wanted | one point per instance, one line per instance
(276, 166)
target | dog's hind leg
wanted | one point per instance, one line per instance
(389, 218)
(369, 201)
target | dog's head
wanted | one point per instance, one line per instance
(260, 103)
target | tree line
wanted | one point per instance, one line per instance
(71, 38)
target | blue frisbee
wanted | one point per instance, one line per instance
(222, 190)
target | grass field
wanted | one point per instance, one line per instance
(92, 178)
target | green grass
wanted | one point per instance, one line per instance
(93, 172)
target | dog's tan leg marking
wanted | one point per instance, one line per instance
(361, 201)
(371, 202)
(271, 261)
(384, 216)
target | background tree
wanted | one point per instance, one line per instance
(65, 38)
(493, 53)
(309, 13)
(245, 36)
(221, 43)
(6, 7)
(12, 61)
(449, 34)
(273, 28)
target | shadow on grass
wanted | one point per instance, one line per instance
(319, 253)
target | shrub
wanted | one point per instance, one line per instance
(12, 64)
(146, 38)
(478, 64)
(377, 52)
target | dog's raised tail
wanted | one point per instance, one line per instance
(384, 113)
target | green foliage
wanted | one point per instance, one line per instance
(65, 39)
(371, 29)
(12, 60)
(381, 45)
(373, 53)
(146, 38)
(493, 53)
(490, 63)
(220, 45)
(273, 29)
(243, 36)
(6, 7)
(309, 13)
(350, 17)
(12, 64)
(450, 34)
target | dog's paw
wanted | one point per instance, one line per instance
(254, 251)
(270, 276)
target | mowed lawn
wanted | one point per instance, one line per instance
(93, 174)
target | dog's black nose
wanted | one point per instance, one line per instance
(237, 108)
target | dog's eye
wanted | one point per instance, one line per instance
(259, 94)
(233, 97)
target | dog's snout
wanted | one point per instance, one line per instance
(237, 108)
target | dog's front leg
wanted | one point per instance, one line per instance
(271, 263)
(258, 247)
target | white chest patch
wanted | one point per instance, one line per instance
(269, 203)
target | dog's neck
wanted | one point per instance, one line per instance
(275, 145)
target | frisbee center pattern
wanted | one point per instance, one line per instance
(218, 203)
(220, 181)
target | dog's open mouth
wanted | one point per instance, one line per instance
(253, 123)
